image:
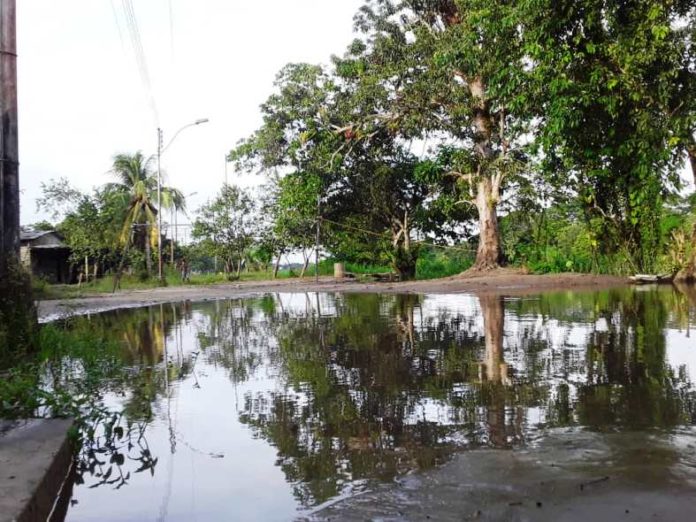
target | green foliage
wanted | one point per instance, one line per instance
(434, 262)
(226, 227)
(326, 268)
(616, 97)
(569, 118)
(102, 226)
(294, 214)
(75, 366)
(138, 185)
(81, 360)
(556, 240)
(18, 320)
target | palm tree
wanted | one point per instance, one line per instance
(138, 183)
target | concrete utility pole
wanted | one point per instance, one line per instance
(159, 205)
(318, 239)
(17, 311)
(9, 150)
(160, 150)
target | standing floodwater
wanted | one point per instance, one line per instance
(399, 406)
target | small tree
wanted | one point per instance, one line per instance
(89, 223)
(138, 183)
(295, 214)
(226, 227)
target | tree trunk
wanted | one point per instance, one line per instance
(493, 313)
(494, 365)
(404, 258)
(691, 150)
(148, 254)
(306, 263)
(277, 264)
(488, 254)
(487, 183)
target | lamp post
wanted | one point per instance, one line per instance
(160, 151)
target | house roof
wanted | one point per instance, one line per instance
(31, 235)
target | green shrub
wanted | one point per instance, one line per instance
(18, 321)
(435, 262)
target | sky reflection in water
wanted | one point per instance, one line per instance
(272, 406)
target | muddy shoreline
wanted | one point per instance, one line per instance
(505, 282)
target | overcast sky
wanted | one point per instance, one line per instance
(81, 98)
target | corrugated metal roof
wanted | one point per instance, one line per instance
(31, 235)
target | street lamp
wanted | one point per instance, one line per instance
(160, 151)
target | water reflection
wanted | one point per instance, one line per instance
(351, 389)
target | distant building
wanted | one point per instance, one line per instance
(45, 255)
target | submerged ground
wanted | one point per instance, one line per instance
(552, 406)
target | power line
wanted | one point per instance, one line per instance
(118, 25)
(171, 27)
(141, 62)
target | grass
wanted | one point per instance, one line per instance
(326, 268)
(432, 264)
(44, 290)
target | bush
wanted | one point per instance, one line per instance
(434, 262)
(18, 320)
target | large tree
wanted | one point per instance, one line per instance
(368, 181)
(297, 149)
(614, 96)
(453, 70)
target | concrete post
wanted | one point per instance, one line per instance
(9, 149)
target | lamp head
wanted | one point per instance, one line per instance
(202, 120)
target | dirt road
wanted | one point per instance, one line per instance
(504, 281)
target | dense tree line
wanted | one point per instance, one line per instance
(549, 134)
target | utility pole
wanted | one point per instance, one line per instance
(173, 238)
(159, 205)
(160, 150)
(17, 311)
(316, 247)
(9, 150)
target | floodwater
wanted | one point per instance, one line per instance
(560, 406)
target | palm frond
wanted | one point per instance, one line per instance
(173, 198)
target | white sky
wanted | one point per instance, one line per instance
(81, 99)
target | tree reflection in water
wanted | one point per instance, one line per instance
(114, 443)
(368, 387)
(375, 386)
